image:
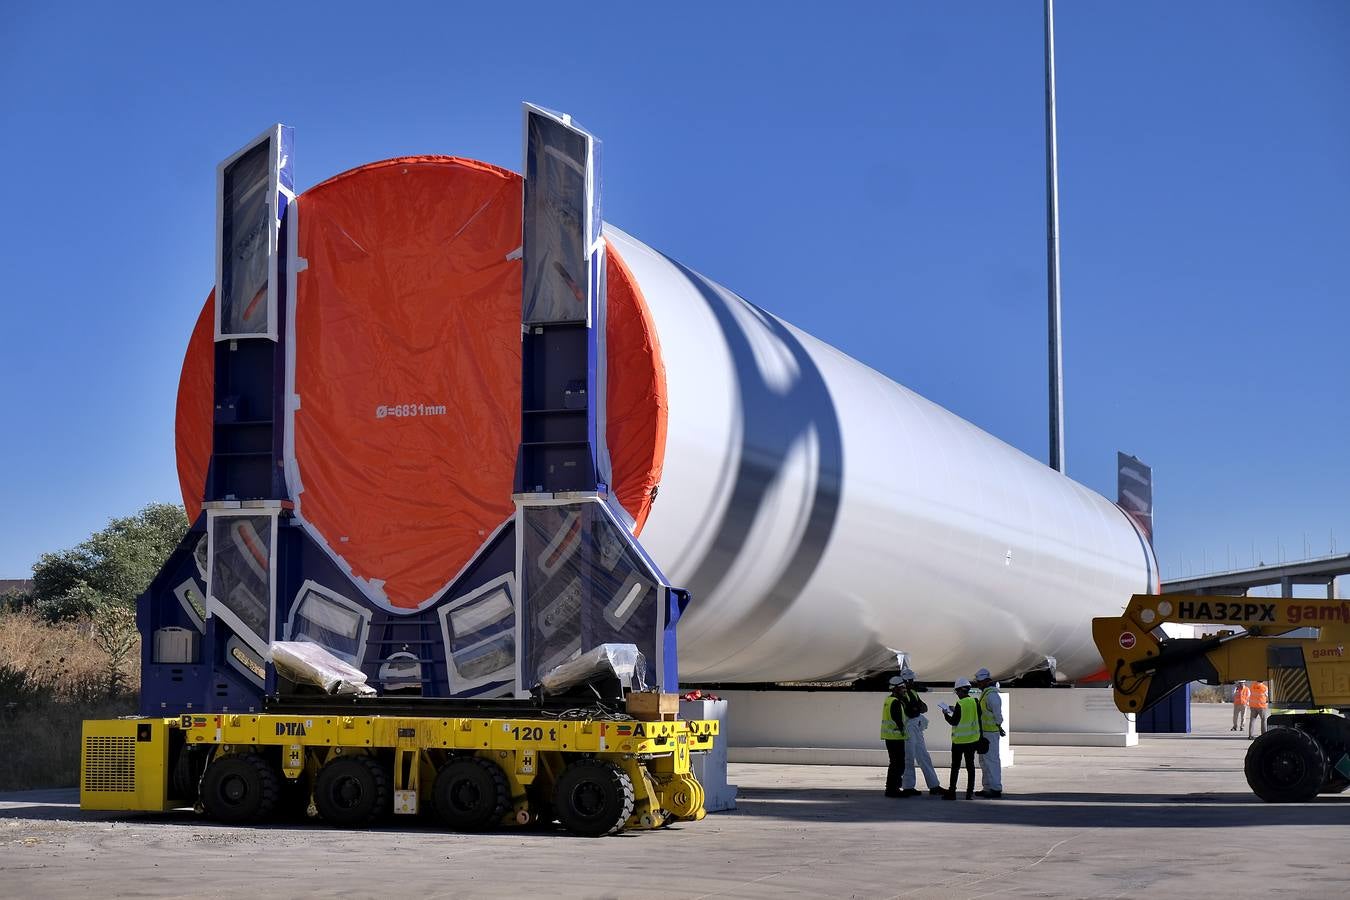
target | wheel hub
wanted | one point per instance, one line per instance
(1286, 768)
(587, 799)
(347, 793)
(234, 789)
(464, 796)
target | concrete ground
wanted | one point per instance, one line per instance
(1172, 816)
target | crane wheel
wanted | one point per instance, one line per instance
(351, 791)
(241, 787)
(593, 798)
(1285, 765)
(471, 793)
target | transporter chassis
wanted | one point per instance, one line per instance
(593, 771)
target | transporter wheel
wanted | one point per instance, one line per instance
(242, 787)
(470, 793)
(593, 798)
(352, 791)
(1285, 765)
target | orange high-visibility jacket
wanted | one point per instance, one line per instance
(1258, 697)
(1242, 695)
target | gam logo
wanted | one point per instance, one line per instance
(290, 729)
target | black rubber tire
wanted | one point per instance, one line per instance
(470, 793)
(353, 791)
(593, 798)
(239, 788)
(1285, 765)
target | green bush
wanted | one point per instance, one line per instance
(110, 568)
(15, 600)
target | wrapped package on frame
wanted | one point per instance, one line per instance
(307, 663)
(822, 516)
(621, 662)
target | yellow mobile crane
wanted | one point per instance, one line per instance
(1306, 751)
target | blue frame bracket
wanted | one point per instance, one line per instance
(573, 554)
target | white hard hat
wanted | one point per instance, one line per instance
(907, 674)
(962, 683)
(982, 675)
(896, 681)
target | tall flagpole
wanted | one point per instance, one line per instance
(1052, 248)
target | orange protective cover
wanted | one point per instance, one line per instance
(407, 370)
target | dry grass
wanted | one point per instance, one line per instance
(40, 745)
(52, 677)
(1205, 693)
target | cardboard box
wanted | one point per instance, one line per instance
(651, 706)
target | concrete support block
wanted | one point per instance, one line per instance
(1071, 717)
(711, 768)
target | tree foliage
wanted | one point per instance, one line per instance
(110, 568)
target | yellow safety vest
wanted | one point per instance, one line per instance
(889, 730)
(967, 731)
(987, 722)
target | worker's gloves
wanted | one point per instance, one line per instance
(1001, 732)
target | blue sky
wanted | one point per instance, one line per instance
(870, 172)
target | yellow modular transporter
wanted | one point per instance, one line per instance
(595, 776)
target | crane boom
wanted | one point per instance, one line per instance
(1146, 664)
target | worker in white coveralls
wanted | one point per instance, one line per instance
(916, 751)
(991, 729)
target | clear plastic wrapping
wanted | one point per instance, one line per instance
(623, 661)
(241, 573)
(556, 213)
(585, 586)
(306, 663)
(247, 236)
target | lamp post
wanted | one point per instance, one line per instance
(1052, 248)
